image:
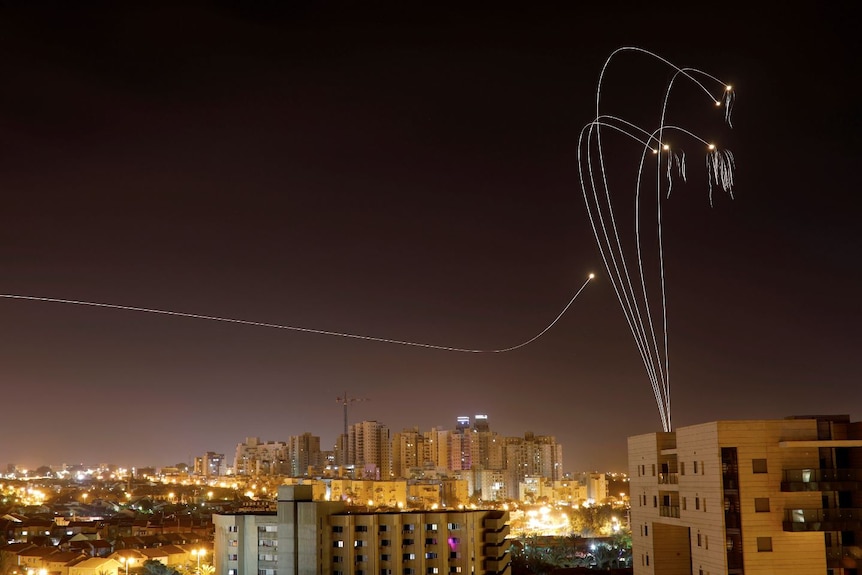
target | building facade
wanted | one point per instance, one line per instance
(748, 498)
(306, 537)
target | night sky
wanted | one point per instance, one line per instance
(407, 174)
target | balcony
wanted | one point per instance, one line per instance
(840, 519)
(499, 565)
(496, 537)
(837, 557)
(669, 511)
(822, 480)
(668, 478)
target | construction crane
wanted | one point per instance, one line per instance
(346, 400)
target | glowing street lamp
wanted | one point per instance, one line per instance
(127, 561)
(199, 553)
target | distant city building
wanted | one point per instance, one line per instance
(534, 455)
(748, 498)
(408, 451)
(304, 455)
(321, 538)
(254, 457)
(210, 464)
(369, 450)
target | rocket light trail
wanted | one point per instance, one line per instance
(303, 329)
(638, 306)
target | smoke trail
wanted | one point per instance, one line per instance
(638, 304)
(303, 329)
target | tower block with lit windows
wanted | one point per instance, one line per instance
(748, 498)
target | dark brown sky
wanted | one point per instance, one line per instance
(406, 174)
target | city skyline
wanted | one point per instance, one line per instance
(405, 174)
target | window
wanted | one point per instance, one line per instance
(697, 502)
(706, 541)
(385, 557)
(699, 540)
(385, 542)
(454, 555)
(761, 504)
(704, 503)
(430, 541)
(764, 544)
(695, 467)
(232, 528)
(407, 542)
(653, 469)
(430, 556)
(758, 466)
(701, 467)
(432, 570)
(454, 540)
(431, 527)
(383, 528)
(682, 467)
(232, 542)
(338, 543)
(646, 529)
(453, 526)
(232, 557)
(362, 528)
(231, 572)
(337, 529)
(361, 558)
(337, 559)
(271, 528)
(454, 569)
(655, 500)
(408, 528)
(408, 556)
(684, 504)
(360, 543)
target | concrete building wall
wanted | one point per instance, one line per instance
(707, 491)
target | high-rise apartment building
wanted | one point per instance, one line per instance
(369, 450)
(304, 454)
(408, 451)
(748, 498)
(306, 537)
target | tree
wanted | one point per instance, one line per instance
(153, 567)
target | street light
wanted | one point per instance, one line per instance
(199, 553)
(127, 561)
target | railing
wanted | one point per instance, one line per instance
(822, 480)
(669, 511)
(668, 478)
(835, 519)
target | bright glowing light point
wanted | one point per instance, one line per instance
(592, 276)
(728, 88)
(717, 103)
(666, 147)
(712, 146)
(655, 151)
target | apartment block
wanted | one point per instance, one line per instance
(748, 498)
(306, 537)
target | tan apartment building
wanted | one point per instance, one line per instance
(748, 498)
(307, 537)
